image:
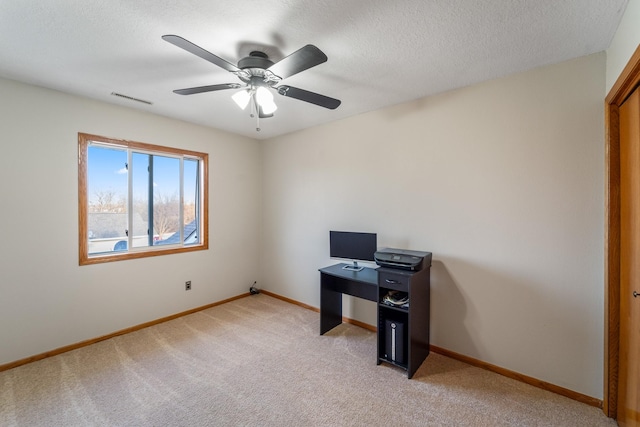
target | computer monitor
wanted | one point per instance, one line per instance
(354, 246)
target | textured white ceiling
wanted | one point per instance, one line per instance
(381, 52)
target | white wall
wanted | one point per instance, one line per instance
(624, 43)
(502, 181)
(46, 299)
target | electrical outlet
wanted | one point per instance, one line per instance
(187, 285)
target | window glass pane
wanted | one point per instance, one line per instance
(166, 199)
(191, 201)
(191, 198)
(140, 190)
(107, 199)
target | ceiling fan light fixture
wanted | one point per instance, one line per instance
(264, 98)
(269, 107)
(241, 98)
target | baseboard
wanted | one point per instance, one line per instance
(466, 359)
(81, 344)
(592, 401)
(317, 310)
(291, 301)
(574, 395)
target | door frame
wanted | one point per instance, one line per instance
(626, 83)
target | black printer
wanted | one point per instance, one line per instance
(403, 259)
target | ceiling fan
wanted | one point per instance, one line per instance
(258, 75)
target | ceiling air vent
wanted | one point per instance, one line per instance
(131, 98)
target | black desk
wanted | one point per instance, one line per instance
(334, 281)
(373, 284)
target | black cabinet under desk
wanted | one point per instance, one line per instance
(403, 329)
(403, 317)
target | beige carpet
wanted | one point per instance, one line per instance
(259, 361)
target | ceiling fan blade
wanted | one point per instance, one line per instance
(197, 50)
(210, 88)
(300, 60)
(312, 97)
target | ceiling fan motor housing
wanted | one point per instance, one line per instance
(255, 59)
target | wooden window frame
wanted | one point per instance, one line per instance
(84, 140)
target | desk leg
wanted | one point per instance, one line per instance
(330, 306)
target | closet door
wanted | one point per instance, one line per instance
(629, 361)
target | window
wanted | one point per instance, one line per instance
(138, 200)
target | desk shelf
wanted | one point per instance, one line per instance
(391, 362)
(384, 306)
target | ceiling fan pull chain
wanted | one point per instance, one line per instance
(255, 109)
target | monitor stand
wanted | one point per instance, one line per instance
(354, 267)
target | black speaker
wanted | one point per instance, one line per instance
(394, 341)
